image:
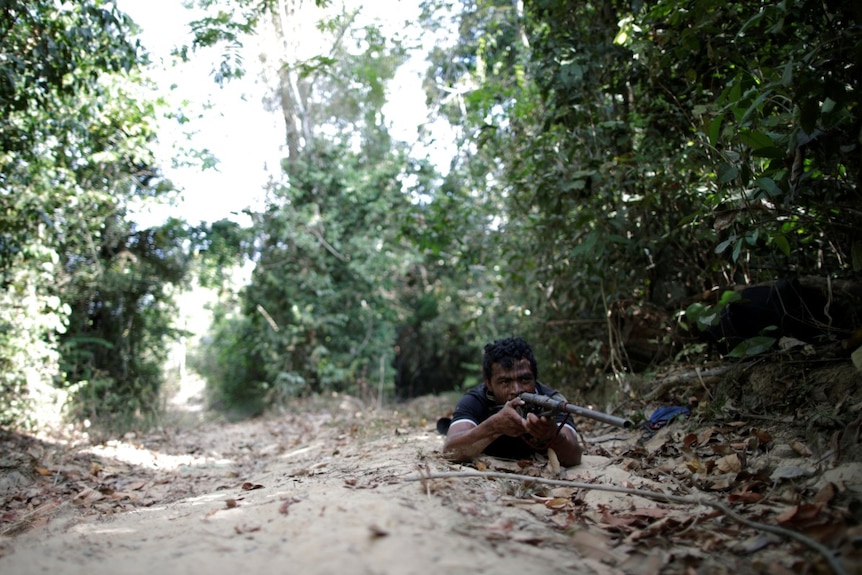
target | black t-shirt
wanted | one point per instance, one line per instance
(476, 405)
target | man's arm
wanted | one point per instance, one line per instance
(465, 440)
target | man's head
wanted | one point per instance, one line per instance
(509, 368)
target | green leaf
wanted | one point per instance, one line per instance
(82, 340)
(753, 346)
(708, 320)
(715, 130)
(755, 105)
(735, 90)
(771, 152)
(787, 75)
(728, 297)
(769, 186)
(781, 242)
(724, 245)
(736, 251)
(702, 316)
(694, 312)
(726, 173)
(587, 246)
(755, 140)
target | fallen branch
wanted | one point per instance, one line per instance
(664, 497)
(705, 376)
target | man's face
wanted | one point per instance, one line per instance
(509, 383)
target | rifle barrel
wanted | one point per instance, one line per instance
(557, 405)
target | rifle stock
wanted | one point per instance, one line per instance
(558, 405)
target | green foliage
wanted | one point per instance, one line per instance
(76, 148)
(318, 313)
(228, 361)
(54, 51)
(122, 310)
(228, 24)
(753, 346)
(649, 152)
(702, 316)
(759, 76)
(612, 157)
(335, 279)
(220, 247)
(30, 315)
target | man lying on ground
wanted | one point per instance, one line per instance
(488, 420)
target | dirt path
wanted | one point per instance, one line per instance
(329, 491)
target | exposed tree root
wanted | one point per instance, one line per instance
(665, 384)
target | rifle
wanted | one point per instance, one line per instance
(553, 406)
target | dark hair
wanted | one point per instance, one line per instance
(506, 352)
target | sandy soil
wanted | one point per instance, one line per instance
(332, 489)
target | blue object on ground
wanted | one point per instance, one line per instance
(664, 415)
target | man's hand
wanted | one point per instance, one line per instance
(542, 429)
(508, 420)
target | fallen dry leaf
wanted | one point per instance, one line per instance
(695, 466)
(826, 494)
(790, 472)
(284, 508)
(663, 526)
(763, 436)
(799, 514)
(88, 495)
(729, 464)
(800, 448)
(722, 449)
(690, 440)
(705, 436)
(557, 503)
(745, 497)
(617, 520)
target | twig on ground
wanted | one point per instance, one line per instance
(703, 384)
(817, 546)
(27, 520)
